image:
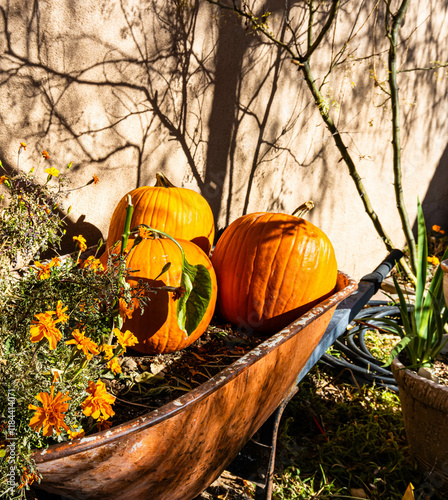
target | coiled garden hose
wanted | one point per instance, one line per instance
(358, 363)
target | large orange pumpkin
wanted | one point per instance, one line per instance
(157, 329)
(180, 212)
(271, 268)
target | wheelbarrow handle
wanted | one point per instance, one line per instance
(380, 273)
(349, 308)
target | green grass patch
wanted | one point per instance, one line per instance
(337, 440)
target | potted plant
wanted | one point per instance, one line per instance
(423, 336)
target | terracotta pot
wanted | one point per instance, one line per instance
(425, 413)
(178, 450)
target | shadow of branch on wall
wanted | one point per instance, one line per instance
(160, 83)
(153, 90)
(182, 77)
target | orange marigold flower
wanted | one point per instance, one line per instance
(126, 339)
(124, 310)
(44, 270)
(81, 242)
(51, 415)
(108, 350)
(46, 155)
(98, 404)
(114, 366)
(45, 326)
(60, 313)
(95, 179)
(52, 171)
(84, 344)
(436, 228)
(3, 179)
(22, 146)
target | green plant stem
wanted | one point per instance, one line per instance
(321, 105)
(80, 369)
(310, 24)
(303, 62)
(127, 226)
(392, 34)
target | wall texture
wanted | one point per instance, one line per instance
(126, 88)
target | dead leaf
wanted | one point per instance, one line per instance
(358, 493)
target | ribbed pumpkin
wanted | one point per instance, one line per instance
(180, 212)
(271, 268)
(157, 330)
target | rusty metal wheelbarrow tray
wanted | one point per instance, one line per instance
(176, 451)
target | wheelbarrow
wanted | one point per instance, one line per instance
(175, 452)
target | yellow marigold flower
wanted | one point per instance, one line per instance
(126, 339)
(51, 415)
(60, 313)
(98, 404)
(44, 326)
(81, 242)
(432, 259)
(44, 270)
(95, 179)
(92, 263)
(46, 156)
(84, 344)
(124, 310)
(108, 350)
(52, 171)
(114, 366)
(55, 262)
(75, 434)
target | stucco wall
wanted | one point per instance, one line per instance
(128, 88)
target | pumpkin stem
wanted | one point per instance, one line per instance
(303, 209)
(162, 181)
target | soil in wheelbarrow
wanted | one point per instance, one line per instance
(149, 382)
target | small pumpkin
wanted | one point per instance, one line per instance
(180, 212)
(157, 329)
(271, 268)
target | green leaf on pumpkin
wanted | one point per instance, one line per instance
(195, 299)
